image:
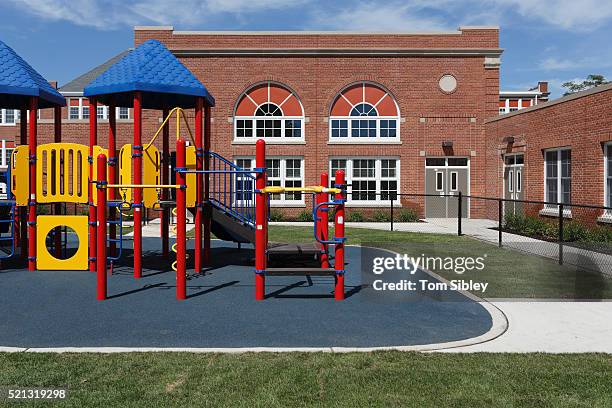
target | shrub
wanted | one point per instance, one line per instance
(408, 215)
(355, 216)
(381, 216)
(304, 216)
(276, 215)
(574, 231)
(601, 234)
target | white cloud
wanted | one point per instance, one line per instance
(109, 14)
(383, 16)
(575, 15)
(566, 64)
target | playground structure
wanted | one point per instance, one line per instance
(229, 201)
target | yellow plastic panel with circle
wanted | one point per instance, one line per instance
(62, 172)
(191, 178)
(44, 259)
(20, 175)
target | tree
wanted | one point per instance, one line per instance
(591, 81)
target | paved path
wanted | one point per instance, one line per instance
(551, 327)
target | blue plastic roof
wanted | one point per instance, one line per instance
(19, 81)
(152, 69)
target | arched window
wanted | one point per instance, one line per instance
(364, 111)
(269, 110)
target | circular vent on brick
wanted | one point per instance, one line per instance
(448, 83)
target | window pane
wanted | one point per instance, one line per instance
(9, 116)
(439, 181)
(293, 128)
(74, 112)
(457, 161)
(123, 113)
(85, 112)
(435, 162)
(339, 128)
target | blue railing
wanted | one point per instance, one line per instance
(232, 189)
(119, 231)
(7, 229)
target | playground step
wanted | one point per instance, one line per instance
(300, 271)
(309, 248)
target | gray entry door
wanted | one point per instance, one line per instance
(445, 178)
(513, 183)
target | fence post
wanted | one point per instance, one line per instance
(392, 204)
(459, 211)
(561, 234)
(500, 210)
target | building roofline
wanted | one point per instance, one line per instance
(518, 93)
(372, 52)
(305, 32)
(544, 105)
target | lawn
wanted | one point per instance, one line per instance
(317, 379)
(510, 274)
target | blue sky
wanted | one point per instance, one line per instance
(543, 39)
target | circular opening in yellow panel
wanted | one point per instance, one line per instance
(68, 240)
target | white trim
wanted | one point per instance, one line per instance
(607, 214)
(377, 178)
(558, 181)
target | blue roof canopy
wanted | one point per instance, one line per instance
(19, 81)
(152, 69)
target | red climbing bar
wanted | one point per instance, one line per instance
(101, 227)
(137, 192)
(324, 222)
(112, 170)
(339, 234)
(199, 186)
(207, 214)
(181, 217)
(261, 222)
(93, 140)
(165, 216)
(32, 186)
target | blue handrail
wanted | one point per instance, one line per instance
(315, 210)
(119, 240)
(232, 189)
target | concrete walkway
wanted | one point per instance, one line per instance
(551, 327)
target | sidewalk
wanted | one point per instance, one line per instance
(551, 327)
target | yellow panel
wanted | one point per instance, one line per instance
(20, 175)
(46, 261)
(191, 178)
(62, 172)
(96, 151)
(125, 172)
(150, 175)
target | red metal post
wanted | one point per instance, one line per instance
(32, 187)
(199, 185)
(339, 235)
(261, 221)
(207, 215)
(57, 207)
(181, 218)
(112, 170)
(165, 216)
(23, 225)
(137, 192)
(93, 140)
(324, 221)
(101, 228)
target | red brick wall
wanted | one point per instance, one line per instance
(581, 122)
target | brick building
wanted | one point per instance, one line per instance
(558, 151)
(511, 101)
(401, 112)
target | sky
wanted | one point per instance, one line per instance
(544, 40)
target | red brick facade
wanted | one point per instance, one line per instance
(581, 122)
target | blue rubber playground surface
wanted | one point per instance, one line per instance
(59, 309)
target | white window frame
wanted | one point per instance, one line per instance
(282, 202)
(3, 115)
(118, 113)
(83, 103)
(350, 139)
(378, 202)
(559, 183)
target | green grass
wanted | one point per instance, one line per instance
(510, 274)
(380, 379)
